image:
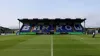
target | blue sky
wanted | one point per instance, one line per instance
(11, 10)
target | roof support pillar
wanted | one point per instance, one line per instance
(19, 27)
(84, 26)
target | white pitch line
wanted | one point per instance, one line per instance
(51, 45)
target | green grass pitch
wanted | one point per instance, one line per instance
(40, 45)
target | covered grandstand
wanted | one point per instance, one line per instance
(52, 26)
(4, 30)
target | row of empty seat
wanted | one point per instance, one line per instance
(49, 28)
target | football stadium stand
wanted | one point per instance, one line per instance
(52, 26)
(4, 30)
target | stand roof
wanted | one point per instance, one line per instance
(56, 20)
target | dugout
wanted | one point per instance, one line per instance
(51, 26)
